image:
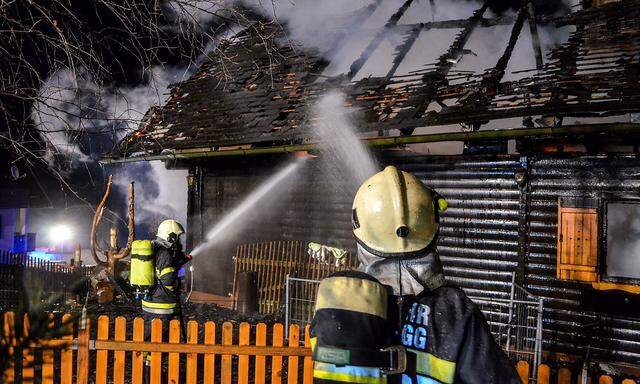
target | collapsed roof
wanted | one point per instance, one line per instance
(257, 89)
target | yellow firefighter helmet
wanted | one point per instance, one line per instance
(394, 214)
(170, 230)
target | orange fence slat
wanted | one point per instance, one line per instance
(523, 371)
(174, 358)
(192, 358)
(307, 373)
(243, 360)
(137, 358)
(156, 357)
(292, 366)
(210, 359)
(82, 363)
(8, 330)
(604, 379)
(27, 357)
(120, 334)
(564, 376)
(544, 374)
(47, 359)
(101, 356)
(66, 355)
(261, 340)
(227, 339)
(276, 361)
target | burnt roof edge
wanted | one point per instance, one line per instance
(382, 142)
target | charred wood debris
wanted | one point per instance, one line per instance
(258, 92)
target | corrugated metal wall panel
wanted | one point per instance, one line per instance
(565, 317)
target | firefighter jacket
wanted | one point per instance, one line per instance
(448, 341)
(164, 295)
(349, 329)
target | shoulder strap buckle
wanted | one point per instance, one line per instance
(397, 359)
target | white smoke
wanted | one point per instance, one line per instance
(74, 113)
(160, 193)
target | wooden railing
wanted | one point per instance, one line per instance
(117, 354)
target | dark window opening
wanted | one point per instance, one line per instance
(623, 240)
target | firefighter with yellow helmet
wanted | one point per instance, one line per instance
(163, 257)
(397, 320)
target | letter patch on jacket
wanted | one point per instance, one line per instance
(414, 331)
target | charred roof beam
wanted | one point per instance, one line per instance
(357, 65)
(435, 78)
(402, 50)
(535, 37)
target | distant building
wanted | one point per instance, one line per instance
(14, 222)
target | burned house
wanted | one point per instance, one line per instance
(545, 187)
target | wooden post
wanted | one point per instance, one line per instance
(119, 356)
(243, 360)
(9, 331)
(192, 358)
(137, 358)
(544, 374)
(604, 379)
(292, 366)
(101, 356)
(307, 375)
(227, 338)
(564, 376)
(209, 359)
(82, 364)
(523, 371)
(47, 358)
(276, 361)
(27, 356)
(66, 355)
(156, 357)
(174, 358)
(261, 340)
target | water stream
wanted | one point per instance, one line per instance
(246, 205)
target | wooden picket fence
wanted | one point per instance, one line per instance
(115, 358)
(255, 353)
(273, 261)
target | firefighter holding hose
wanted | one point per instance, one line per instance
(397, 320)
(154, 273)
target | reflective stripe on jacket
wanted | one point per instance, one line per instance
(164, 295)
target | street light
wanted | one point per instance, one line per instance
(59, 234)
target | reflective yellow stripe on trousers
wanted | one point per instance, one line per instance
(348, 374)
(165, 271)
